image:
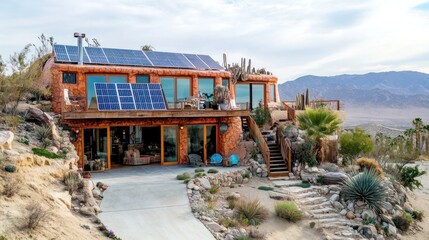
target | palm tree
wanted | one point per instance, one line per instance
(409, 133)
(418, 124)
(318, 123)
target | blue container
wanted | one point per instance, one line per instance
(216, 159)
(234, 160)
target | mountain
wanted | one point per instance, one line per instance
(387, 89)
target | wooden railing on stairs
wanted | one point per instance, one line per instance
(285, 149)
(262, 145)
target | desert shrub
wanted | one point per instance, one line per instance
(72, 181)
(186, 181)
(312, 224)
(199, 174)
(418, 215)
(231, 203)
(366, 187)
(368, 164)
(11, 187)
(261, 114)
(212, 170)
(10, 168)
(246, 175)
(329, 167)
(242, 238)
(199, 170)
(35, 215)
(228, 222)
(45, 153)
(214, 189)
(2, 237)
(403, 222)
(46, 143)
(304, 153)
(211, 203)
(183, 176)
(253, 211)
(409, 175)
(256, 234)
(289, 211)
(12, 121)
(265, 188)
(354, 143)
(24, 140)
(43, 132)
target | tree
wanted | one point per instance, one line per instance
(409, 133)
(318, 123)
(354, 143)
(147, 47)
(418, 124)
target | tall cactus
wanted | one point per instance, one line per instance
(307, 97)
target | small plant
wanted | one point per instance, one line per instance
(228, 222)
(24, 140)
(253, 211)
(265, 188)
(45, 153)
(312, 224)
(403, 222)
(212, 170)
(243, 220)
(72, 181)
(409, 175)
(186, 181)
(242, 238)
(11, 188)
(254, 153)
(368, 221)
(183, 176)
(199, 174)
(231, 203)
(199, 170)
(369, 163)
(211, 203)
(261, 114)
(289, 211)
(43, 132)
(366, 187)
(246, 175)
(214, 189)
(2, 237)
(35, 215)
(10, 168)
(418, 215)
(46, 143)
(12, 121)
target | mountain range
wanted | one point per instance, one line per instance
(384, 89)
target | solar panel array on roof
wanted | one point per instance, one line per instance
(129, 96)
(125, 57)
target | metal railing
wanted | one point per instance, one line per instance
(256, 134)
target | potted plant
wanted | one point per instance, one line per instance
(222, 96)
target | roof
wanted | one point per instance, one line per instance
(126, 57)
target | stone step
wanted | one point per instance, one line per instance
(312, 201)
(334, 226)
(297, 190)
(348, 233)
(308, 194)
(322, 210)
(326, 215)
(334, 237)
(286, 183)
(319, 206)
(337, 221)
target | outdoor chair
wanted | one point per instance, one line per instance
(234, 160)
(216, 159)
(195, 160)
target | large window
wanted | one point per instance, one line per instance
(249, 93)
(142, 79)
(175, 90)
(257, 94)
(91, 79)
(272, 93)
(206, 85)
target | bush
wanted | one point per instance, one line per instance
(409, 175)
(368, 164)
(45, 153)
(11, 188)
(261, 114)
(304, 153)
(199, 170)
(183, 176)
(252, 211)
(242, 238)
(2, 237)
(46, 143)
(366, 187)
(418, 215)
(43, 132)
(214, 189)
(354, 143)
(35, 215)
(228, 222)
(199, 174)
(265, 188)
(24, 140)
(211, 204)
(289, 211)
(403, 222)
(10, 168)
(212, 170)
(231, 203)
(72, 181)
(12, 121)
(246, 175)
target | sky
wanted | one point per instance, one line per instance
(290, 38)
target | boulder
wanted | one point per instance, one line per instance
(87, 211)
(334, 198)
(387, 219)
(369, 231)
(392, 230)
(334, 177)
(279, 196)
(368, 214)
(11, 152)
(6, 139)
(46, 119)
(337, 205)
(216, 227)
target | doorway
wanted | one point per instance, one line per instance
(202, 140)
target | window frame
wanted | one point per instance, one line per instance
(75, 77)
(175, 78)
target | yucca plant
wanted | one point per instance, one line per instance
(366, 187)
(253, 211)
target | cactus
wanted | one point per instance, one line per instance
(307, 98)
(10, 168)
(249, 66)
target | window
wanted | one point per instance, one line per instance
(91, 79)
(257, 94)
(249, 93)
(69, 78)
(175, 90)
(206, 85)
(272, 93)
(225, 82)
(142, 79)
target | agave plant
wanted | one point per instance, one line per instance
(366, 187)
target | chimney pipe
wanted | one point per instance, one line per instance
(79, 37)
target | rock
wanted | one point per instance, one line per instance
(324, 190)
(343, 212)
(334, 177)
(259, 170)
(11, 152)
(369, 231)
(45, 118)
(6, 139)
(388, 206)
(87, 211)
(205, 183)
(392, 230)
(239, 179)
(334, 198)
(216, 227)
(97, 193)
(312, 170)
(387, 219)
(279, 196)
(337, 205)
(196, 188)
(291, 174)
(52, 149)
(368, 214)
(360, 204)
(350, 215)
(207, 219)
(407, 207)
(235, 196)
(191, 185)
(350, 206)
(380, 237)
(245, 180)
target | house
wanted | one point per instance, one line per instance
(126, 126)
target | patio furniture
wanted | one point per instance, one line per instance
(234, 160)
(195, 160)
(216, 159)
(133, 157)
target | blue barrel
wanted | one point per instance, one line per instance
(234, 160)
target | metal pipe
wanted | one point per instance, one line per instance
(79, 37)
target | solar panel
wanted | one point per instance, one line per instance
(210, 62)
(126, 98)
(96, 55)
(159, 59)
(141, 96)
(107, 96)
(61, 53)
(126, 57)
(157, 97)
(73, 54)
(196, 61)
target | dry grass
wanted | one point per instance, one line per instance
(253, 211)
(369, 163)
(35, 215)
(11, 187)
(289, 211)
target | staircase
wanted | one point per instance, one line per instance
(244, 124)
(277, 165)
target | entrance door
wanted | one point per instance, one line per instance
(202, 140)
(169, 145)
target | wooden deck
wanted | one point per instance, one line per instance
(186, 113)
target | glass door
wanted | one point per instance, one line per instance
(210, 143)
(169, 144)
(202, 140)
(96, 150)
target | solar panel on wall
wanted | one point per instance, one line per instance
(126, 98)
(157, 96)
(61, 53)
(107, 96)
(141, 96)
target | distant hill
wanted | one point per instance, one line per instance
(387, 89)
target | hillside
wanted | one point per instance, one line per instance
(385, 89)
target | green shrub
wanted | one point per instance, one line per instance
(403, 222)
(418, 215)
(231, 203)
(289, 211)
(24, 140)
(228, 222)
(183, 176)
(43, 132)
(252, 211)
(409, 175)
(246, 175)
(265, 188)
(312, 224)
(45, 153)
(354, 143)
(214, 189)
(10, 168)
(303, 185)
(199, 174)
(186, 181)
(199, 170)
(212, 170)
(366, 187)
(46, 143)
(2, 237)
(261, 114)
(242, 238)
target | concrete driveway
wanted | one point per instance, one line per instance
(147, 202)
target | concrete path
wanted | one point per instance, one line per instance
(147, 202)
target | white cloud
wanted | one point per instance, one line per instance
(290, 38)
